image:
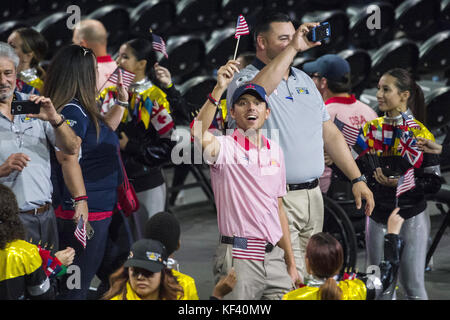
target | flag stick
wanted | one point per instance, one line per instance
(237, 45)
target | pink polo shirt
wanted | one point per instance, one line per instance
(247, 184)
(352, 112)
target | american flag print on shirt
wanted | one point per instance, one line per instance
(241, 27)
(80, 232)
(250, 249)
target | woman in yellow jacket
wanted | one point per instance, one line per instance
(324, 260)
(31, 47)
(145, 276)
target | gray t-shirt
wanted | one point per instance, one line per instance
(298, 112)
(33, 137)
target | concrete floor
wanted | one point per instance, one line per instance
(199, 238)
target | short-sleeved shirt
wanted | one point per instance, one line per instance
(297, 116)
(106, 67)
(99, 164)
(350, 111)
(33, 137)
(247, 183)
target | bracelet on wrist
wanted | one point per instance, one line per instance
(76, 200)
(169, 86)
(124, 104)
(212, 100)
(57, 125)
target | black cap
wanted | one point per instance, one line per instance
(147, 254)
(164, 227)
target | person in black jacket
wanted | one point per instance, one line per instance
(385, 162)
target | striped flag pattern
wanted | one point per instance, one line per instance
(409, 121)
(241, 27)
(350, 133)
(127, 77)
(408, 149)
(250, 249)
(80, 232)
(159, 45)
(406, 182)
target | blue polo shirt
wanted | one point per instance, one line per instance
(99, 164)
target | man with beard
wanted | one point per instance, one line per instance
(25, 142)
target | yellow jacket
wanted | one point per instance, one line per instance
(351, 290)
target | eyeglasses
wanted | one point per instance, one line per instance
(135, 272)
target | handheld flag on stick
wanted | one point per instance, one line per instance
(80, 232)
(408, 149)
(159, 45)
(241, 30)
(409, 121)
(350, 133)
(405, 183)
(127, 77)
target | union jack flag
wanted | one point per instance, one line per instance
(159, 45)
(408, 149)
(80, 232)
(127, 77)
(350, 133)
(250, 249)
(241, 27)
(406, 182)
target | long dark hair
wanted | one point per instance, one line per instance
(33, 41)
(11, 228)
(72, 74)
(169, 289)
(326, 257)
(143, 50)
(405, 82)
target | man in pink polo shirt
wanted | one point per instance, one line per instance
(249, 180)
(92, 34)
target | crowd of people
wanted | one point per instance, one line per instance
(61, 169)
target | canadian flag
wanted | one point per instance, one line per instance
(161, 119)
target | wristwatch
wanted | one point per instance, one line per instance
(361, 178)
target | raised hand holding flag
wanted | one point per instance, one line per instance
(241, 30)
(159, 45)
(80, 232)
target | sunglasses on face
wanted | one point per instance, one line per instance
(135, 272)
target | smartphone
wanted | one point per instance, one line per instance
(320, 33)
(25, 107)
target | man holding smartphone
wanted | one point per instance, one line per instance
(304, 125)
(25, 141)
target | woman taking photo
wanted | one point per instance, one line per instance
(390, 139)
(144, 123)
(92, 176)
(31, 47)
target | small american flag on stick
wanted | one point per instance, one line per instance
(127, 77)
(405, 183)
(250, 249)
(241, 27)
(350, 133)
(159, 45)
(80, 232)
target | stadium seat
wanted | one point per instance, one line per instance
(445, 14)
(88, 6)
(186, 54)
(231, 9)
(54, 29)
(117, 23)
(400, 53)
(363, 37)
(221, 46)
(417, 18)
(197, 14)
(12, 9)
(158, 15)
(360, 65)
(369, 97)
(434, 54)
(438, 108)
(9, 26)
(339, 24)
(196, 89)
